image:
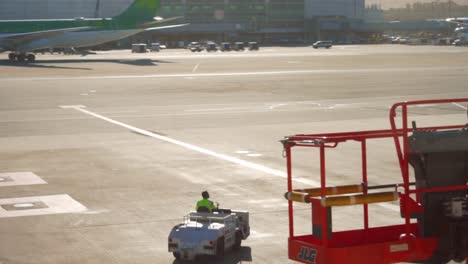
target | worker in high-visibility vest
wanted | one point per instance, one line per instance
(205, 205)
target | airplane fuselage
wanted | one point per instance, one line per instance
(23, 26)
(99, 31)
(77, 39)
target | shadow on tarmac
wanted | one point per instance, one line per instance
(243, 255)
(45, 64)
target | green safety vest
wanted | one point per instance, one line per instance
(205, 203)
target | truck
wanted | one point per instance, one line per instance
(209, 234)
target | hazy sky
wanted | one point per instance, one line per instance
(401, 3)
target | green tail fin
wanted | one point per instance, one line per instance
(139, 12)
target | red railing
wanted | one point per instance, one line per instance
(331, 140)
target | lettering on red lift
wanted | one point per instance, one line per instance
(308, 255)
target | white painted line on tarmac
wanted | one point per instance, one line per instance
(237, 161)
(53, 204)
(257, 235)
(390, 206)
(461, 106)
(196, 67)
(71, 106)
(19, 178)
(234, 160)
(217, 109)
(238, 74)
(276, 106)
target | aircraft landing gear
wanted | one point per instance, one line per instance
(22, 57)
(12, 57)
(31, 57)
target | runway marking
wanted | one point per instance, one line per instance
(461, 106)
(238, 74)
(41, 205)
(196, 67)
(216, 109)
(254, 234)
(19, 178)
(208, 152)
(276, 105)
(390, 206)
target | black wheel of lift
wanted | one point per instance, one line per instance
(12, 57)
(21, 57)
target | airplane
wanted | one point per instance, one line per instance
(21, 37)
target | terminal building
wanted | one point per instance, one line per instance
(265, 21)
(268, 21)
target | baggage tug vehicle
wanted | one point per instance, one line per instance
(209, 234)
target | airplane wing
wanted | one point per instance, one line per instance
(164, 27)
(17, 38)
(159, 20)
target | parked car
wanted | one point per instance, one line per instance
(253, 46)
(459, 42)
(139, 48)
(194, 47)
(155, 47)
(238, 46)
(225, 46)
(322, 44)
(211, 46)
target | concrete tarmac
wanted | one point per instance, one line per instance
(101, 155)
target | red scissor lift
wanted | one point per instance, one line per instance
(437, 199)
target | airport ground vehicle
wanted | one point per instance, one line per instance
(195, 47)
(253, 46)
(322, 44)
(225, 46)
(139, 48)
(211, 46)
(460, 42)
(434, 207)
(209, 233)
(239, 46)
(155, 47)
